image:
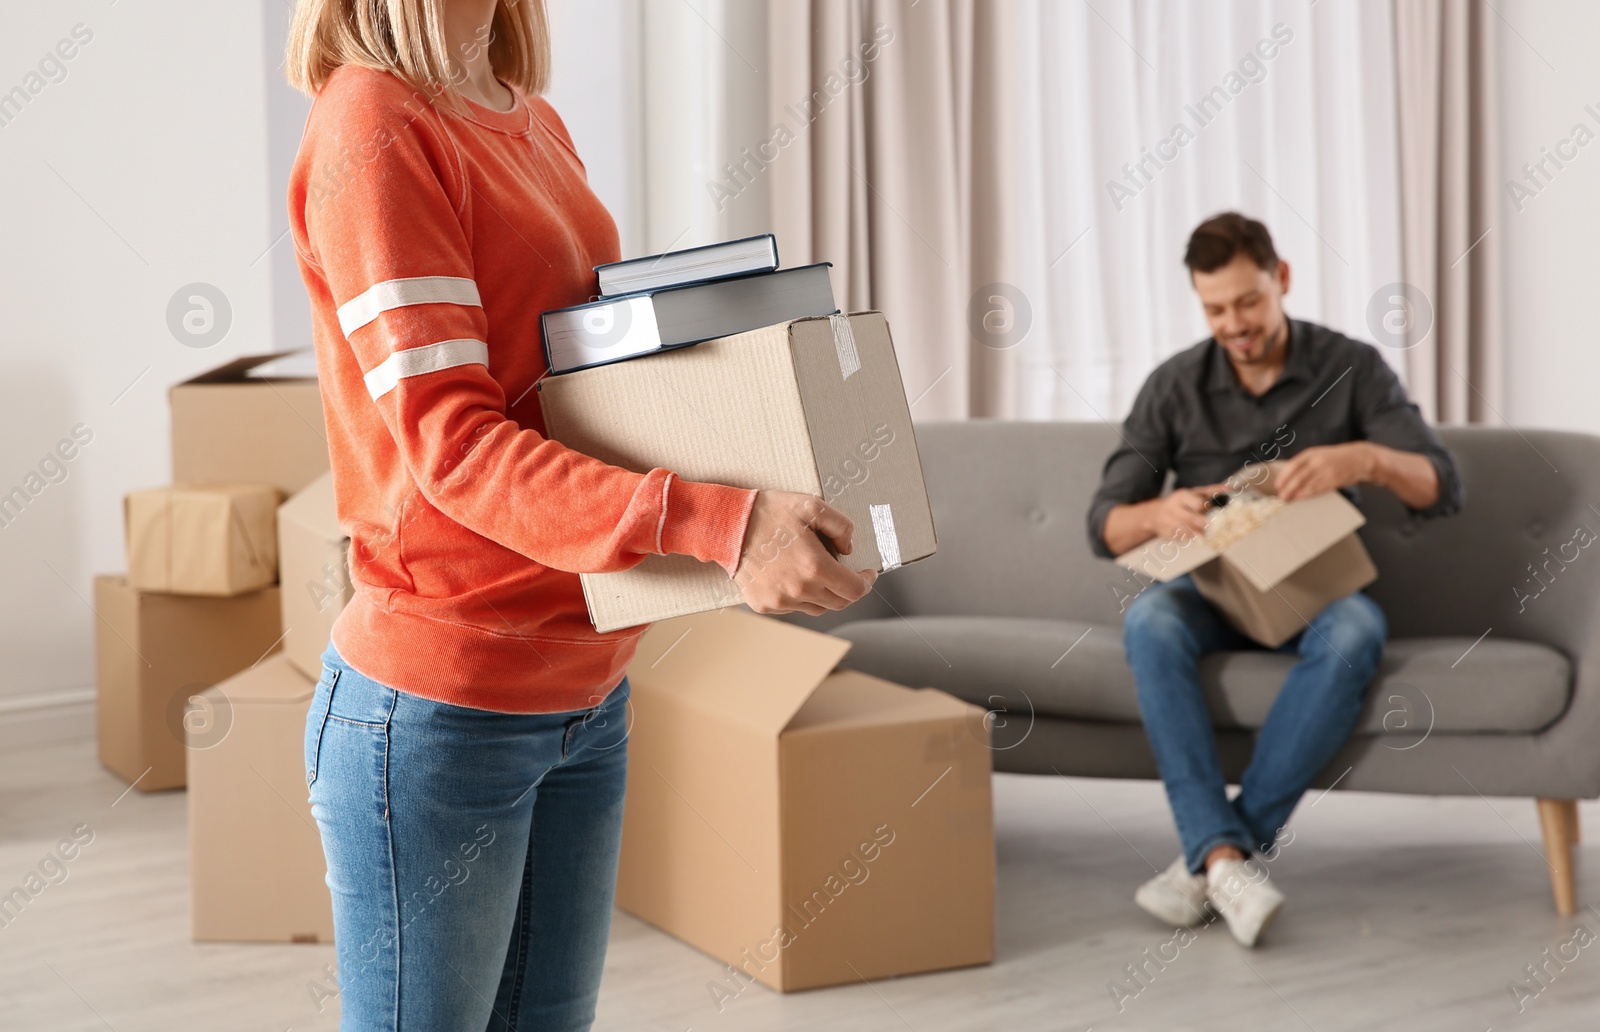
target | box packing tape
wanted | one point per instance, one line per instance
(844, 342)
(883, 530)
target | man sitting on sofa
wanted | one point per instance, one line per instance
(1262, 387)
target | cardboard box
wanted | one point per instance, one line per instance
(229, 427)
(807, 828)
(256, 865)
(313, 557)
(813, 405)
(202, 539)
(153, 652)
(1274, 580)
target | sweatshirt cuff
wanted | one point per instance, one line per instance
(706, 521)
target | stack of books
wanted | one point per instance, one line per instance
(684, 297)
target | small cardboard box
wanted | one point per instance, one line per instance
(202, 539)
(313, 557)
(232, 427)
(1274, 580)
(813, 405)
(153, 652)
(257, 872)
(807, 828)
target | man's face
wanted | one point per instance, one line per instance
(1244, 307)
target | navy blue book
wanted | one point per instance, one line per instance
(616, 328)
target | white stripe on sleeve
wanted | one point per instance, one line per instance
(430, 358)
(398, 293)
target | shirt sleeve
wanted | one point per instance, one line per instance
(1386, 415)
(1137, 469)
(388, 235)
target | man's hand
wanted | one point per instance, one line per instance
(1180, 514)
(785, 567)
(1325, 468)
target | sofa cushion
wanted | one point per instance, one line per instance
(1065, 668)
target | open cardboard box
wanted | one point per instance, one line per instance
(1272, 582)
(813, 405)
(805, 826)
(232, 425)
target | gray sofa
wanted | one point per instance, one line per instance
(1490, 683)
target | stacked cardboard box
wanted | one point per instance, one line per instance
(313, 555)
(199, 602)
(190, 691)
(256, 864)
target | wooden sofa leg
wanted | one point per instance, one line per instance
(1559, 819)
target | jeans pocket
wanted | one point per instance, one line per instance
(317, 720)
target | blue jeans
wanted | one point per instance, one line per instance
(1166, 631)
(472, 855)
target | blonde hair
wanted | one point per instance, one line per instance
(406, 37)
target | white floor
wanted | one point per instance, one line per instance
(1404, 914)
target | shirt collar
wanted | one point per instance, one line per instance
(1299, 365)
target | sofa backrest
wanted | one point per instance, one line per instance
(1010, 501)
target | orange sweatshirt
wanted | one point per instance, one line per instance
(430, 241)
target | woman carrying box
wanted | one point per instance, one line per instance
(466, 745)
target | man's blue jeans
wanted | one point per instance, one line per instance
(1165, 632)
(472, 855)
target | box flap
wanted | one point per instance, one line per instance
(1295, 535)
(850, 698)
(1165, 559)
(238, 370)
(274, 679)
(751, 669)
(312, 507)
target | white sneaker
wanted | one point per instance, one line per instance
(1242, 895)
(1174, 897)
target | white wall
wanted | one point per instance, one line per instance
(1550, 251)
(142, 170)
(171, 166)
(596, 88)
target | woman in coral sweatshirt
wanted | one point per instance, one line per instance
(466, 745)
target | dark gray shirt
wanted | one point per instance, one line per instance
(1193, 418)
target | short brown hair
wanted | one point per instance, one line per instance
(1221, 238)
(406, 37)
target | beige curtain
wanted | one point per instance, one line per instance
(1445, 80)
(895, 173)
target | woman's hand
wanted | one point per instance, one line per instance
(785, 567)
